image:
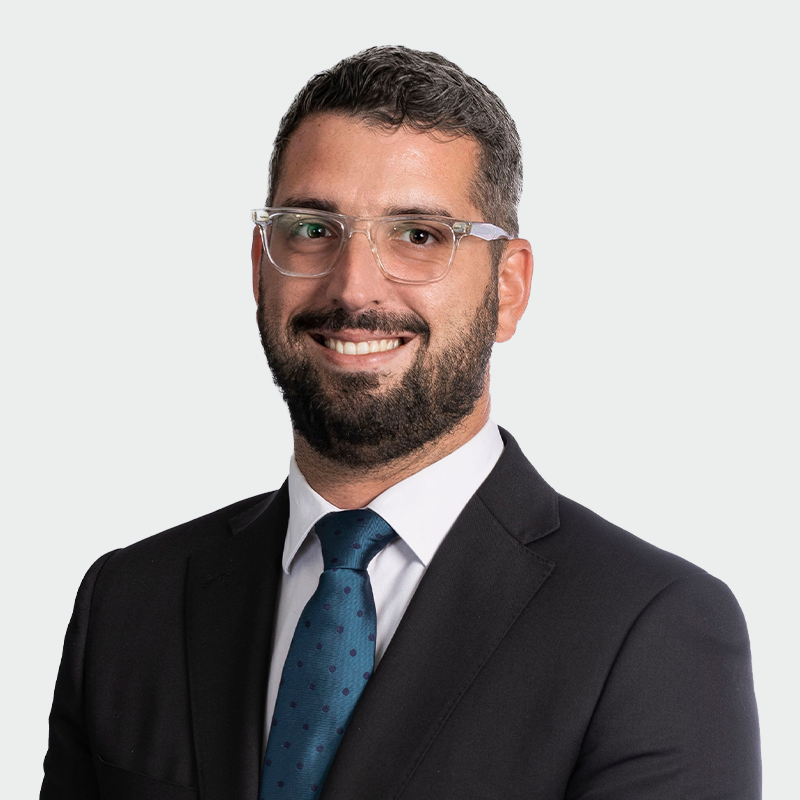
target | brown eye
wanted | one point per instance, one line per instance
(418, 236)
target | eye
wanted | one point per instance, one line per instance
(417, 235)
(311, 229)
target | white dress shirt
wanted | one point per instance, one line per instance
(421, 509)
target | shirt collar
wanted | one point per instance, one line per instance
(421, 508)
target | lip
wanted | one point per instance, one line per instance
(361, 335)
(350, 348)
(375, 358)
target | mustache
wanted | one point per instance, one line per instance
(337, 319)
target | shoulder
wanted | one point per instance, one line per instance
(618, 574)
(147, 580)
(598, 568)
(171, 548)
(585, 536)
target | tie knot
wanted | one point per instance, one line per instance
(351, 539)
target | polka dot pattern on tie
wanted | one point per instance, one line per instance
(330, 659)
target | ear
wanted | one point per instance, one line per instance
(513, 286)
(255, 255)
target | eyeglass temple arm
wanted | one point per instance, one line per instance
(487, 231)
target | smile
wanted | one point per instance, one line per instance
(349, 348)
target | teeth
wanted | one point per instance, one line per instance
(362, 348)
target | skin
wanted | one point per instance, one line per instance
(341, 164)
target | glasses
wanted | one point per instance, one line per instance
(409, 249)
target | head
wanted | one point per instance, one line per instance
(393, 131)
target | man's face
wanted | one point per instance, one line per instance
(359, 408)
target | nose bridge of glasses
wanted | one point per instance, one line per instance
(358, 225)
(362, 225)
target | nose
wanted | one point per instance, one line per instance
(357, 282)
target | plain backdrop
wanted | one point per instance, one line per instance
(653, 379)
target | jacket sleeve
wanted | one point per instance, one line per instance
(677, 716)
(68, 766)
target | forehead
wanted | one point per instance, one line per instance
(365, 170)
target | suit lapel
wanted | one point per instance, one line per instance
(231, 594)
(479, 582)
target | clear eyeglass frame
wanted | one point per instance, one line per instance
(348, 225)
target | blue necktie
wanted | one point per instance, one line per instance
(330, 659)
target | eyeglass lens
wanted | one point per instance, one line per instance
(409, 249)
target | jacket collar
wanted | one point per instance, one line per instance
(518, 497)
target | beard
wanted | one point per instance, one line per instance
(349, 418)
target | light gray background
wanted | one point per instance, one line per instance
(653, 378)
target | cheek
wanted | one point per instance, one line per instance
(454, 305)
(283, 296)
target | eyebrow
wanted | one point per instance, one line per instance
(316, 203)
(321, 204)
(425, 211)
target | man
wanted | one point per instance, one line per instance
(415, 613)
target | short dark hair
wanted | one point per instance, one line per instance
(393, 86)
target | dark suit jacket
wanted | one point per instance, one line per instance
(545, 655)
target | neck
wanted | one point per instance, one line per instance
(349, 487)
